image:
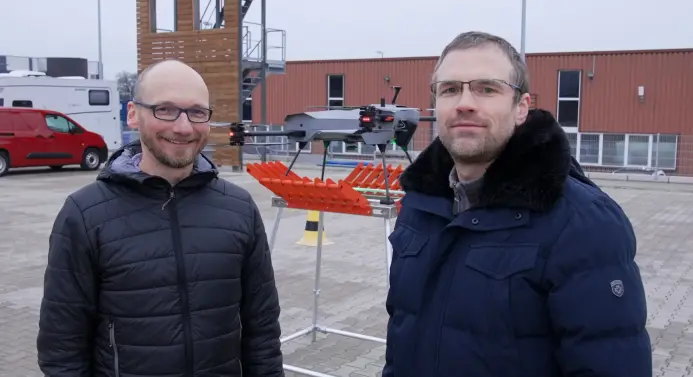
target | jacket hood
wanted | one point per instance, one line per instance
(123, 167)
(530, 173)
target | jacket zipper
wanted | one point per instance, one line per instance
(240, 336)
(182, 282)
(114, 346)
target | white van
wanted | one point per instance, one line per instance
(92, 103)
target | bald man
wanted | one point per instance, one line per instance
(160, 267)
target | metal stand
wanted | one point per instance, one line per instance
(387, 212)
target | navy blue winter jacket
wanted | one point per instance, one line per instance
(538, 280)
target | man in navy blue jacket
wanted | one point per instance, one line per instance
(508, 261)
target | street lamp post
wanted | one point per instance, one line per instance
(524, 29)
(98, 6)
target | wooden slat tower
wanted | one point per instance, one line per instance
(214, 53)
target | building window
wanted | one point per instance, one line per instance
(568, 107)
(163, 17)
(335, 90)
(664, 149)
(618, 151)
(248, 110)
(638, 150)
(613, 150)
(589, 146)
(572, 140)
(99, 97)
(22, 103)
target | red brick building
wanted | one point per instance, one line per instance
(622, 109)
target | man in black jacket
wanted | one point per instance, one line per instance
(160, 267)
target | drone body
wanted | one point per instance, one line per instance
(372, 124)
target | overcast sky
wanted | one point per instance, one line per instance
(360, 28)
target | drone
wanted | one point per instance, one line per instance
(373, 124)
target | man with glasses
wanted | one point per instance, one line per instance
(160, 267)
(507, 260)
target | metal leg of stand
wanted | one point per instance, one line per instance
(388, 249)
(318, 262)
(275, 228)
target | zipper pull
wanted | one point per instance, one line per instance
(171, 196)
(110, 333)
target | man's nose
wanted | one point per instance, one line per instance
(182, 125)
(466, 100)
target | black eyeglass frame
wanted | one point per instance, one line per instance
(180, 111)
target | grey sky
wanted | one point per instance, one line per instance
(361, 28)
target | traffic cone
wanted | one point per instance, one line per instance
(310, 235)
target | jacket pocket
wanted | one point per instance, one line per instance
(487, 296)
(114, 346)
(408, 271)
(487, 284)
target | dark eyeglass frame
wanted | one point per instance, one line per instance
(180, 111)
(435, 92)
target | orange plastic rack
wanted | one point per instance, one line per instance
(329, 196)
(365, 176)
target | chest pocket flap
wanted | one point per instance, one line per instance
(406, 242)
(502, 260)
(409, 268)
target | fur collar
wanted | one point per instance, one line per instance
(530, 173)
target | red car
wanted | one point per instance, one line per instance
(34, 137)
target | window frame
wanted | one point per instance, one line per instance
(91, 101)
(560, 99)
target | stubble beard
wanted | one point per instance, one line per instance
(475, 149)
(174, 162)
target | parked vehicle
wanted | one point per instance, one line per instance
(94, 104)
(36, 137)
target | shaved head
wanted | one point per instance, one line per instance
(167, 71)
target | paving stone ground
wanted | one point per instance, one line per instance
(353, 285)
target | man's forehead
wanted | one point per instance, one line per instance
(176, 92)
(487, 62)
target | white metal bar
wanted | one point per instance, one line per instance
(275, 228)
(379, 210)
(351, 334)
(297, 334)
(388, 251)
(318, 264)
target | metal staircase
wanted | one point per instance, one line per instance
(251, 63)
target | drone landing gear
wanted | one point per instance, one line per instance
(387, 200)
(301, 145)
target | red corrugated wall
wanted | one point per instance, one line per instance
(609, 101)
(305, 84)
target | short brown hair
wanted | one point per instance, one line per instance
(472, 39)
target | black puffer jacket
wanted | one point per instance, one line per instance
(148, 280)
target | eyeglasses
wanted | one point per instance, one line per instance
(171, 113)
(479, 87)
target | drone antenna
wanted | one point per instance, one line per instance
(388, 198)
(301, 145)
(397, 89)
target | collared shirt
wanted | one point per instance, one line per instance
(466, 193)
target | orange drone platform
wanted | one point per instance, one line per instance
(349, 195)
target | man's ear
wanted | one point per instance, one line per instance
(522, 109)
(132, 118)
